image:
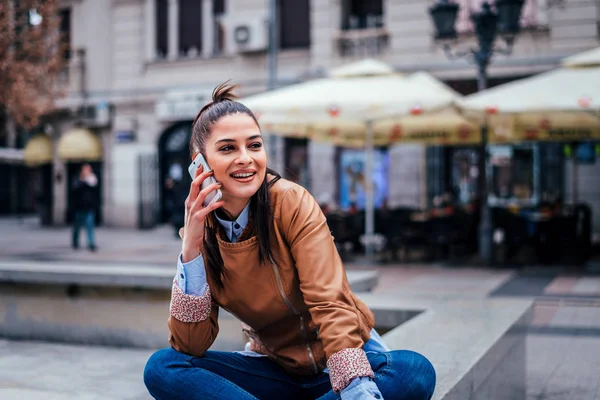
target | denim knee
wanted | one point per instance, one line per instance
(407, 375)
(156, 374)
(424, 378)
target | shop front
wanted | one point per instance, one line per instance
(38, 155)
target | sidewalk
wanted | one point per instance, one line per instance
(28, 241)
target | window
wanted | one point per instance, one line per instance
(65, 32)
(296, 161)
(465, 175)
(294, 24)
(218, 7)
(218, 10)
(190, 28)
(162, 26)
(532, 15)
(514, 174)
(362, 14)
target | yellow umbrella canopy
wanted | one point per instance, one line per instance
(79, 144)
(38, 151)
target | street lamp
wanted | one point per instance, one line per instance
(503, 19)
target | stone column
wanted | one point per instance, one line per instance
(208, 31)
(150, 24)
(173, 30)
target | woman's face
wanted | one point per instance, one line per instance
(235, 152)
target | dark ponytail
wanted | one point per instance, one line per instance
(223, 103)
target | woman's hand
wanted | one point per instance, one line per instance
(195, 215)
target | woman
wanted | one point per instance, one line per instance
(265, 254)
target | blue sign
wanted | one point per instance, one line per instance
(352, 178)
(125, 136)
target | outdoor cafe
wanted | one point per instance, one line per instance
(530, 130)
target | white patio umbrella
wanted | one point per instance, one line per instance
(343, 108)
(573, 87)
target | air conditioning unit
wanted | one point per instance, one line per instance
(97, 115)
(250, 35)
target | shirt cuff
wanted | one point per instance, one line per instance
(187, 308)
(361, 388)
(346, 365)
(191, 276)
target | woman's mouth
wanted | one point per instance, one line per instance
(243, 176)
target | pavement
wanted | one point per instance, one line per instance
(563, 343)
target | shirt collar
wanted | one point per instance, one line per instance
(236, 227)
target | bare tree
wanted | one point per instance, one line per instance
(31, 57)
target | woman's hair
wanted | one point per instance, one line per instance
(223, 103)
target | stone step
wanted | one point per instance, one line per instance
(121, 275)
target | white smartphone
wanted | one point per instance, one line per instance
(213, 196)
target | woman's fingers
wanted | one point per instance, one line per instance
(213, 206)
(197, 184)
(200, 214)
(204, 193)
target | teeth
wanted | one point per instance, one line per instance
(246, 175)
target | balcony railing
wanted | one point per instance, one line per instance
(362, 42)
(534, 15)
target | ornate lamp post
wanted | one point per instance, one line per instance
(503, 19)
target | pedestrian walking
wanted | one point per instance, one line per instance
(85, 198)
(265, 253)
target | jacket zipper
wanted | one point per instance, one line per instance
(291, 307)
(310, 353)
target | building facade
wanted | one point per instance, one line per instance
(143, 68)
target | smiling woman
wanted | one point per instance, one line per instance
(265, 254)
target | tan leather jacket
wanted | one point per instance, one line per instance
(300, 311)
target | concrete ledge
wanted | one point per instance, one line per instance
(113, 305)
(121, 275)
(477, 346)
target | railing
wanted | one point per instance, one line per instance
(534, 15)
(362, 42)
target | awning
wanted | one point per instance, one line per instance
(446, 128)
(557, 126)
(38, 151)
(79, 144)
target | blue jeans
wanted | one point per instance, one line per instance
(86, 218)
(399, 374)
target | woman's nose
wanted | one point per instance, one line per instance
(244, 157)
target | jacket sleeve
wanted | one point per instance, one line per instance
(193, 321)
(325, 287)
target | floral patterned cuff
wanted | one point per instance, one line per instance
(346, 365)
(188, 308)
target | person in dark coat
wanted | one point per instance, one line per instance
(85, 197)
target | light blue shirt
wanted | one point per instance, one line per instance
(191, 278)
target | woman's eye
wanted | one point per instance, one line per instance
(226, 148)
(256, 145)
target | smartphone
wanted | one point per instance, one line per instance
(213, 196)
